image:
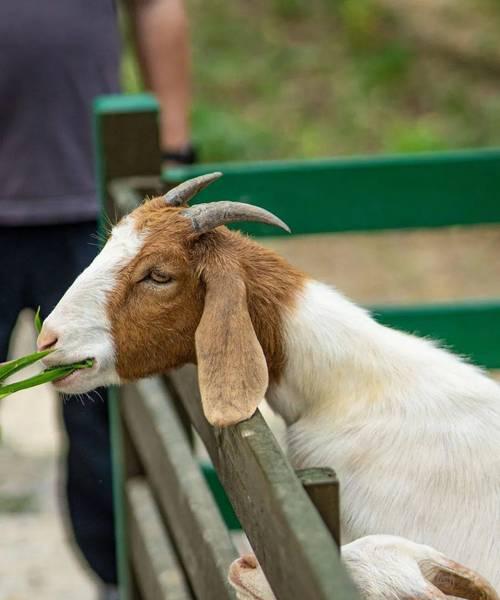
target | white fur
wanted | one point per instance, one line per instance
(412, 431)
(386, 566)
(80, 320)
(381, 566)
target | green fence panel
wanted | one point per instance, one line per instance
(470, 329)
(363, 194)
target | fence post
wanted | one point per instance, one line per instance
(322, 487)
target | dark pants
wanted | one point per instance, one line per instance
(37, 265)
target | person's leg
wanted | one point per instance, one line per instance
(12, 282)
(67, 251)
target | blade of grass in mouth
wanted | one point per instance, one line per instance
(13, 366)
(46, 376)
(52, 373)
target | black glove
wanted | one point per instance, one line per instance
(184, 156)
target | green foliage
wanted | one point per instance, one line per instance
(224, 135)
(13, 366)
(362, 22)
(10, 368)
(38, 321)
(309, 78)
(420, 136)
(289, 9)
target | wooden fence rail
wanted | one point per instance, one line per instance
(177, 543)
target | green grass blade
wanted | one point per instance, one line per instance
(38, 321)
(9, 368)
(43, 377)
(84, 364)
(46, 376)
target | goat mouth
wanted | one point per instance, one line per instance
(64, 378)
(75, 372)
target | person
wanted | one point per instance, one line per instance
(55, 58)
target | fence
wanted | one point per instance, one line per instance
(173, 540)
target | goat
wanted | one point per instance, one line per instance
(381, 567)
(412, 430)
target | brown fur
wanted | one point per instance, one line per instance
(457, 580)
(249, 287)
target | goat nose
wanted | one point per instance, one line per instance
(46, 339)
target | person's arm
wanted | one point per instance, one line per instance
(162, 37)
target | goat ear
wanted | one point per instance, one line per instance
(232, 369)
(456, 580)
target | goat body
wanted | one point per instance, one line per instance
(412, 430)
(382, 567)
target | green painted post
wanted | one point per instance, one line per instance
(113, 408)
(117, 462)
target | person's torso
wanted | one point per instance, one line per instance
(55, 57)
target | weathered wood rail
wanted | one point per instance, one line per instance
(172, 540)
(295, 547)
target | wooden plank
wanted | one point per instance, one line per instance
(194, 521)
(132, 465)
(180, 410)
(157, 569)
(293, 546)
(470, 329)
(127, 193)
(363, 193)
(322, 487)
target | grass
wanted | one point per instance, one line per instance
(45, 376)
(307, 78)
(10, 368)
(38, 321)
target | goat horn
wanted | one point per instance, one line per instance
(181, 194)
(205, 217)
(454, 579)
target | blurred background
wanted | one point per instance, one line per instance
(308, 78)
(293, 79)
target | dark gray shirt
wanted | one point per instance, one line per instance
(55, 57)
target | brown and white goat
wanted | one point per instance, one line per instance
(412, 430)
(382, 567)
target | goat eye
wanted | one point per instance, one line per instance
(158, 277)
